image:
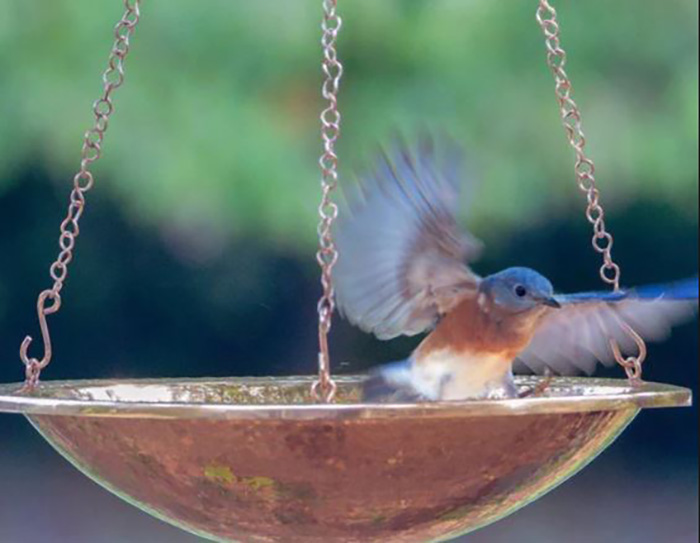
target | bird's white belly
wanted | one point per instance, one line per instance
(446, 375)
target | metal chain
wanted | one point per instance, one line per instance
(113, 78)
(602, 241)
(324, 387)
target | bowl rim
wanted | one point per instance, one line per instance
(584, 394)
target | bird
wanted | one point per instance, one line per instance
(404, 269)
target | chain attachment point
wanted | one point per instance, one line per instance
(631, 364)
(33, 365)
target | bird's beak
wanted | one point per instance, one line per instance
(550, 302)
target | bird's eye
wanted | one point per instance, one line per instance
(520, 291)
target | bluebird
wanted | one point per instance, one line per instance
(404, 270)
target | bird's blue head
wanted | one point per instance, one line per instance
(518, 290)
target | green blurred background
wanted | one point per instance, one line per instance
(196, 257)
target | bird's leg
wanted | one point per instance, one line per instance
(541, 387)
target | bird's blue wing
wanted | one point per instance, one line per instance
(576, 337)
(401, 253)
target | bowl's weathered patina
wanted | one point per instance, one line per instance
(252, 460)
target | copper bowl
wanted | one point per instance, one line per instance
(253, 460)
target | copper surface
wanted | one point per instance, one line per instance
(251, 461)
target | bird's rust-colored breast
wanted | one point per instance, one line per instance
(479, 328)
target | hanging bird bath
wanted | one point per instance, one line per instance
(301, 460)
(254, 460)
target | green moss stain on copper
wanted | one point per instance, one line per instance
(219, 474)
(224, 476)
(265, 488)
(258, 483)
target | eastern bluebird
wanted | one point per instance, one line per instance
(403, 270)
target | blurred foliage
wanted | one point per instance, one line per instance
(215, 135)
(202, 220)
(200, 228)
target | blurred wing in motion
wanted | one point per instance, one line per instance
(402, 258)
(576, 337)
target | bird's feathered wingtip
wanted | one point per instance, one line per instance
(400, 247)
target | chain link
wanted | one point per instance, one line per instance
(584, 169)
(324, 387)
(83, 181)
